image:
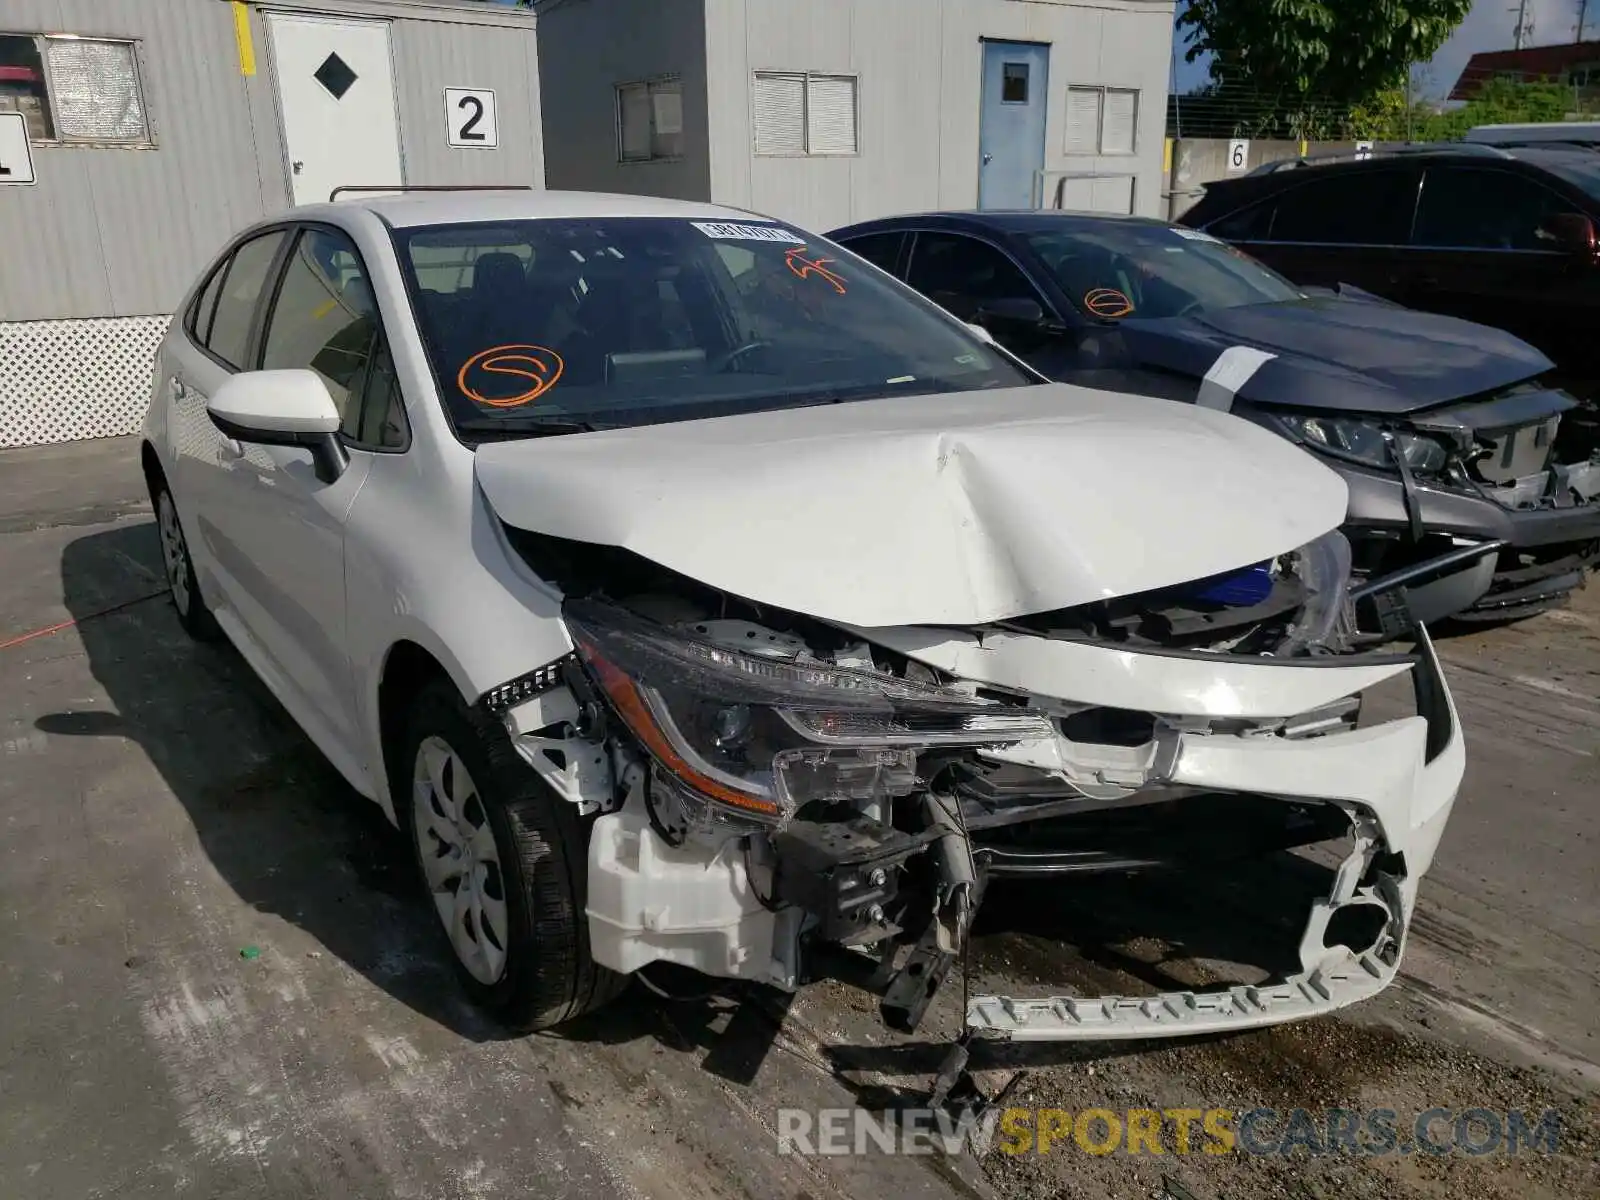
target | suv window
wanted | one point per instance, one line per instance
(958, 273)
(1371, 208)
(243, 281)
(1252, 224)
(879, 249)
(324, 318)
(1471, 208)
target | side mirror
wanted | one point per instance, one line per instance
(1572, 233)
(282, 408)
(1011, 310)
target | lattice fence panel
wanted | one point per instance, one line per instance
(61, 381)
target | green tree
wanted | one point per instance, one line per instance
(1339, 52)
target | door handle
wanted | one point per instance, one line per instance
(296, 166)
(987, 159)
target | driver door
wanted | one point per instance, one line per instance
(284, 526)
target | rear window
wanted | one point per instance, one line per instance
(639, 320)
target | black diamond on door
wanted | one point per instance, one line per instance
(335, 75)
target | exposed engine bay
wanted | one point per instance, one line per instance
(768, 787)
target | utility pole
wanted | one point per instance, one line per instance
(1583, 16)
(1522, 23)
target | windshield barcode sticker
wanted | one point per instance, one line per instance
(1192, 235)
(746, 233)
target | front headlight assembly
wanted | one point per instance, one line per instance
(759, 736)
(1364, 441)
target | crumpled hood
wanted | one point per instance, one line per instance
(1348, 355)
(951, 509)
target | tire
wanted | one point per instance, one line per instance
(477, 817)
(178, 563)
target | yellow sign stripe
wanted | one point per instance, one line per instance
(241, 34)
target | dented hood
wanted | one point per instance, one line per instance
(950, 509)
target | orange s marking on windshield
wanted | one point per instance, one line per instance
(1108, 302)
(804, 268)
(539, 366)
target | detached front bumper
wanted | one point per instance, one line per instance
(1548, 551)
(754, 907)
(1397, 782)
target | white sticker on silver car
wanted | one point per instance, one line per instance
(723, 231)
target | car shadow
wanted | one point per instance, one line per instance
(294, 840)
(276, 820)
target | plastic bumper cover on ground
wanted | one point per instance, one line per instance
(1398, 782)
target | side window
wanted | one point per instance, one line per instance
(205, 305)
(1371, 208)
(879, 249)
(380, 420)
(324, 318)
(959, 273)
(1470, 208)
(1252, 224)
(243, 281)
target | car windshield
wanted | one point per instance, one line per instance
(1154, 271)
(560, 325)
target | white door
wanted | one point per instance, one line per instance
(336, 94)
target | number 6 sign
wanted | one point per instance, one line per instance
(1238, 155)
(469, 118)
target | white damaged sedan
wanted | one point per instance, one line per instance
(691, 592)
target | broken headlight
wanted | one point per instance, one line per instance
(1364, 441)
(764, 735)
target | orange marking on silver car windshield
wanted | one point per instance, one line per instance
(805, 268)
(540, 365)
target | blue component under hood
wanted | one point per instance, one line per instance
(1344, 355)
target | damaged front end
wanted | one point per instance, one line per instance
(1505, 468)
(768, 787)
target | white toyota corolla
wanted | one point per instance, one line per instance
(689, 591)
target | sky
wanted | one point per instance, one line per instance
(1490, 26)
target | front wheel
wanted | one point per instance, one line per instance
(193, 614)
(503, 859)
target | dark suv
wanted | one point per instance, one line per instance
(1503, 237)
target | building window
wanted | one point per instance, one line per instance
(73, 89)
(650, 120)
(801, 113)
(1102, 120)
(1014, 83)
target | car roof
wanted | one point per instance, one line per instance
(459, 207)
(1010, 220)
(1455, 154)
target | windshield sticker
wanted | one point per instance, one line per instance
(725, 232)
(1108, 302)
(489, 376)
(1192, 235)
(805, 268)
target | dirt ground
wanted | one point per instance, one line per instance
(219, 984)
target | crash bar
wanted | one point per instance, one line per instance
(1427, 572)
